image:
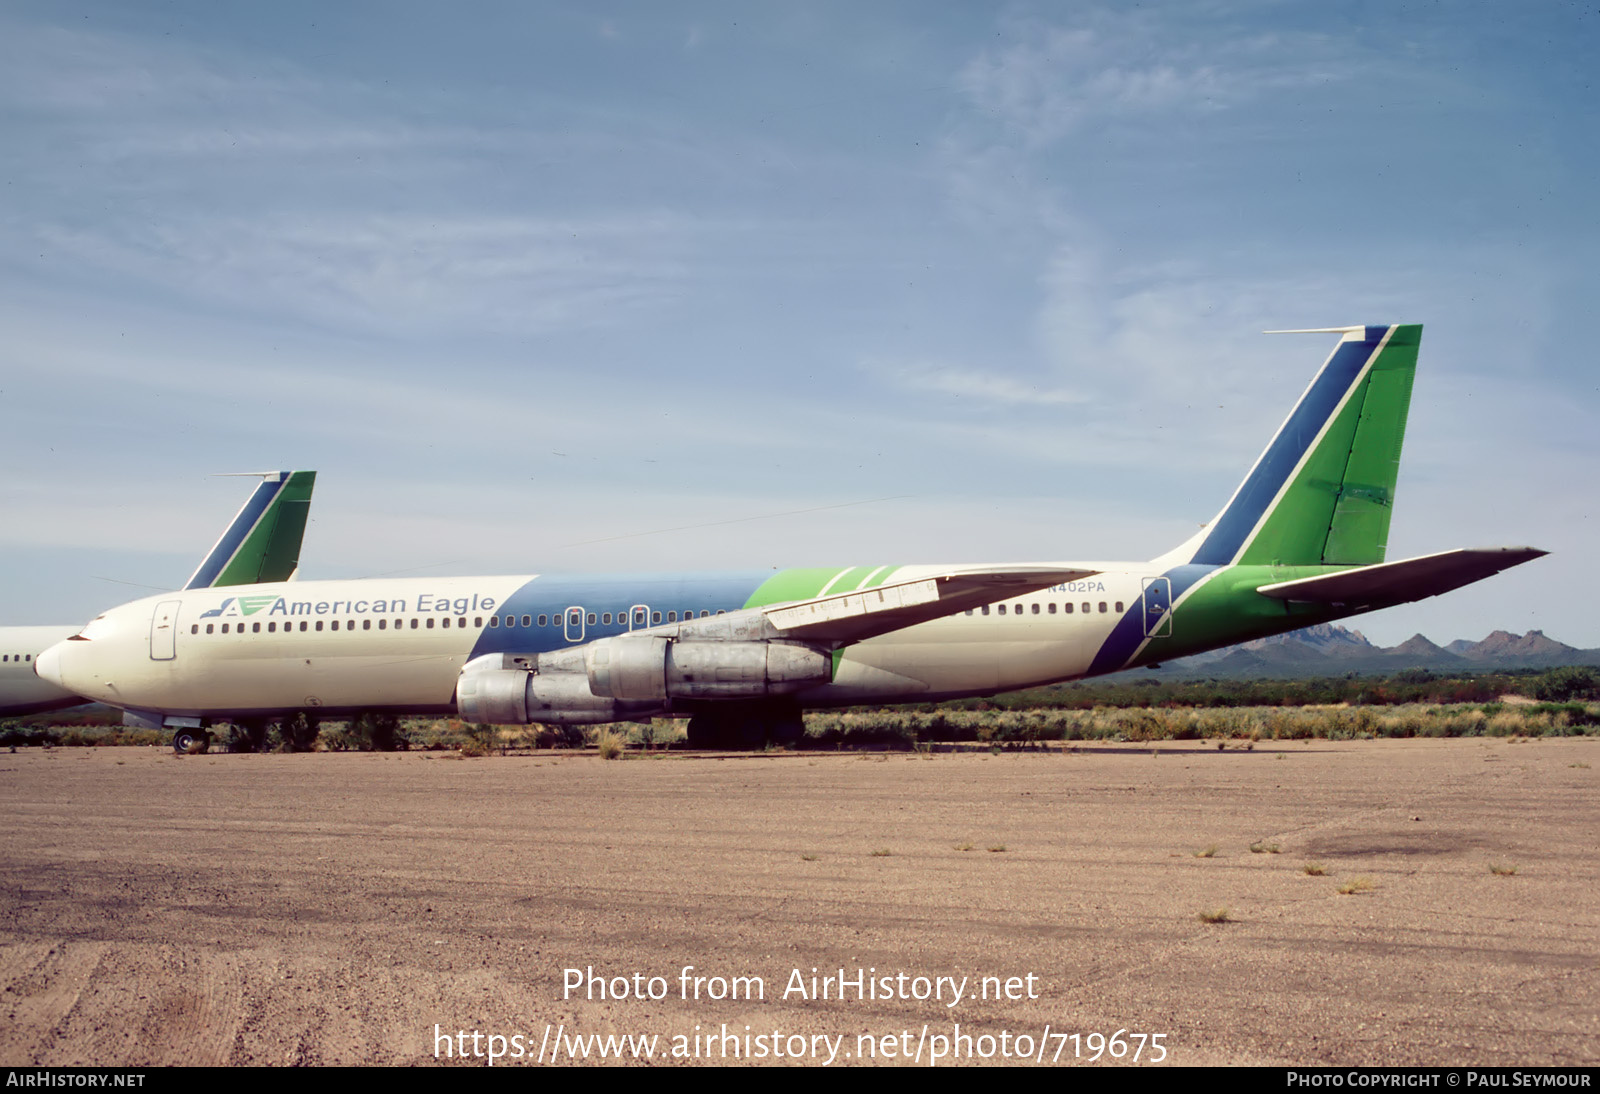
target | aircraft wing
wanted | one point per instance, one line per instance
(853, 617)
(1399, 582)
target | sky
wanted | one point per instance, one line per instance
(549, 287)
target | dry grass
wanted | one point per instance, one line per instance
(1209, 851)
(1314, 869)
(1502, 869)
(1216, 915)
(610, 744)
(1357, 885)
(1264, 848)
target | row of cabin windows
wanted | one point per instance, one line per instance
(444, 622)
(1049, 609)
(16, 657)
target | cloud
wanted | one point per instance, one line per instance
(394, 273)
(971, 384)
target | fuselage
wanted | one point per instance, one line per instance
(400, 645)
(22, 691)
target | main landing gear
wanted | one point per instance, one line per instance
(747, 726)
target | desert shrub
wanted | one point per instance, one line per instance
(1571, 682)
(298, 733)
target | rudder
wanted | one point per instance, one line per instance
(1323, 491)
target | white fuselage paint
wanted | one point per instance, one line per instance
(409, 659)
(21, 689)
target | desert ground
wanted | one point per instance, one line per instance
(412, 908)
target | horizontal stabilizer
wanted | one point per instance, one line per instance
(1404, 581)
(856, 616)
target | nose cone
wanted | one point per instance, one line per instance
(47, 665)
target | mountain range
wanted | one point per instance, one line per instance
(1331, 650)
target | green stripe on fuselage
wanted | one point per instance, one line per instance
(808, 583)
(1227, 609)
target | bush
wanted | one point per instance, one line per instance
(1563, 684)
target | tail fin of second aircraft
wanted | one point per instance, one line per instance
(1323, 491)
(263, 542)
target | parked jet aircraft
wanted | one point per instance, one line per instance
(1302, 541)
(262, 543)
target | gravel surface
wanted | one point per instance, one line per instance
(353, 908)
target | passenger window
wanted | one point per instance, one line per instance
(606, 618)
(334, 625)
(985, 609)
(1086, 607)
(195, 629)
(1036, 609)
(672, 617)
(477, 621)
(462, 622)
(494, 621)
(430, 622)
(255, 628)
(366, 624)
(591, 619)
(1002, 609)
(445, 624)
(383, 624)
(224, 628)
(525, 621)
(209, 628)
(1067, 607)
(655, 617)
(1102, 607)
(1052, 607)
(969, 611)
(1119, 606)
(319, 624)
(413, 624)
(272, 628)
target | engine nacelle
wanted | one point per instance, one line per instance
(652, 668)
(515, 696)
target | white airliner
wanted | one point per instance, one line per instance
(261, 543)
(1302, 541)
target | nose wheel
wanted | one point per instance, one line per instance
(185, 740)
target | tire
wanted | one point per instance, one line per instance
(184, 739)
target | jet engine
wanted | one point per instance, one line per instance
(644, 667)
(631, 676)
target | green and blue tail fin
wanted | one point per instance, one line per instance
(262, 544)
(1323, 491)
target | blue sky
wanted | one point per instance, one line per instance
(542, 287)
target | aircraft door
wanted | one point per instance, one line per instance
(573, 622)
(1157, 607)
(164, 630)
(638, 617)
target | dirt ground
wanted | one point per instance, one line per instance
(351, 908)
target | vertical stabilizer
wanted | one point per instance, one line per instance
(1323, 491)
(262, 544)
